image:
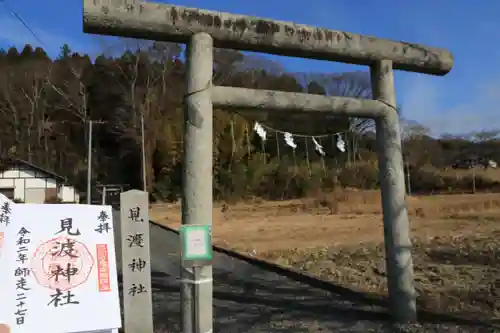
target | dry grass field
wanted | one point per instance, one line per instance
(491, 174)
(339, 237)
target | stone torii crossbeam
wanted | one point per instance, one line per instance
(202, 30)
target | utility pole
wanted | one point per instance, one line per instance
(103, 195)
(408, 178)
(89, 160)
(406, 166)
(474, 164)
(89, 164)
(143, 143)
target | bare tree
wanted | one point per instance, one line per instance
(11, 115)
(483, 136)
(355, 85)
(411, 130)
(144, 79)
(69, 84)
(412, 137)
(23, 90)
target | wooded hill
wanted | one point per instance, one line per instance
(46, 103)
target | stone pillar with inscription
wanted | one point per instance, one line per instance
(136, 262)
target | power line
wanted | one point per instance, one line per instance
(23, 22)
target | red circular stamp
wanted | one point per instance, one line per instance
(62, 263)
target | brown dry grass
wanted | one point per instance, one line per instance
(339, 237)
(491, 174)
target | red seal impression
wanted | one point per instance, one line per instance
(62, 263)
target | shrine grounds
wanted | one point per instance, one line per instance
(339, 237)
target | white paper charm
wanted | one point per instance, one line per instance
(318, 148)
(340, 143)
(289, 140)
(261, 132)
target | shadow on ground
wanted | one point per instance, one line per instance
(473, 265)
(466, 255)
(253, 300)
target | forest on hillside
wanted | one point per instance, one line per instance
(46, 104)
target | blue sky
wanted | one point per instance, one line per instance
(465, 100)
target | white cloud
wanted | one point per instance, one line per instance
(467, 99)
(479, 114)
(418, 95)
(424, 98)
(14, 33)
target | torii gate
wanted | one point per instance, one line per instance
(202, 30)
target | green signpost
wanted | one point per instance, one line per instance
(196, 253)
(196, 244)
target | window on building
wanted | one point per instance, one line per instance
(8, 192)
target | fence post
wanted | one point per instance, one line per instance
(136, 262)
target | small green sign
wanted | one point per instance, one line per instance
(196, 242)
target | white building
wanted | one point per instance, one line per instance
(21, 180)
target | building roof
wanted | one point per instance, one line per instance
(37, 168)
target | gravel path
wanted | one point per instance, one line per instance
(251, 300)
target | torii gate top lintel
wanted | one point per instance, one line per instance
(165, 22)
